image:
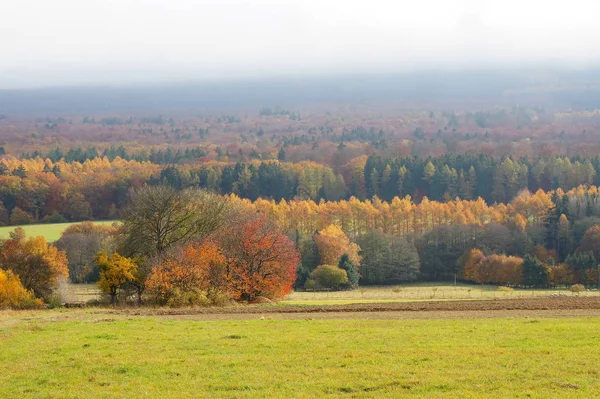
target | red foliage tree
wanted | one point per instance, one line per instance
(260, 259)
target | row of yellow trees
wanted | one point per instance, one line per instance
(401, 216)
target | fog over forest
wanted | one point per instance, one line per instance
(437, 90)
(107, 42)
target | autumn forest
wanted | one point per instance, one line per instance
(246, 201)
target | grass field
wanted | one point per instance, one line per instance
(419, 292)
(52, 232)
(79, 354)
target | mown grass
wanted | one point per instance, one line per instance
(97, 357)
(419, 292)
(52, 232)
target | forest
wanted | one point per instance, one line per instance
(240, 202)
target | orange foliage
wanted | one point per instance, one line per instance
(191, 268)
(561, 275)
(591, 277)
(260, 259)
(496, 269)
(545, 255)
(469, 263)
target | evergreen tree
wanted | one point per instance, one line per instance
(281, 154)
(347, 265)
(535, 273)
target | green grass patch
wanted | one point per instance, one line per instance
(168, 358)
(52, 232)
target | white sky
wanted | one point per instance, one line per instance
(55, 42)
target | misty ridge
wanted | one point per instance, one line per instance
(484, 88)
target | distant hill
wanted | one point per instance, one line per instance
(571, 89)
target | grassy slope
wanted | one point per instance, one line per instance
(52, 232)
(154, 357)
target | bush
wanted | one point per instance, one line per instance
(577, 288)
(193, 298)
(55, 217)
(54, 301)
(310, 285)
(13, 295)
(190, 269)
(327, 276)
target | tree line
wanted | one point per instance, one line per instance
(40, 190)
(193, 247)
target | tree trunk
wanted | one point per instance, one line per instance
(139, 296)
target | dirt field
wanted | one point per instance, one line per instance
(549, 307)
(534, 307)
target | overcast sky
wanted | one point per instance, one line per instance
(58, 42)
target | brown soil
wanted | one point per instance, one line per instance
(549, 307)
(534, 307)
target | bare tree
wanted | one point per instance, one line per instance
(159, 217)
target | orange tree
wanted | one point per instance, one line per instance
(190, 271)
(260, 259)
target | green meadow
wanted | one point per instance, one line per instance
(52, 232)
(85, 354)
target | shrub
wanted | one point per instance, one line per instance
(577, 288)
(13, 295)
(504, 288)
(55, 217)
(192, 298)
(328, 276)
(179, 276)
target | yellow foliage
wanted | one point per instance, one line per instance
(332, 243)
(115, 270)
(13, 295)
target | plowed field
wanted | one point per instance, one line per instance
(534, 307)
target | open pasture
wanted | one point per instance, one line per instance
(51, 232)
(92, 354)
